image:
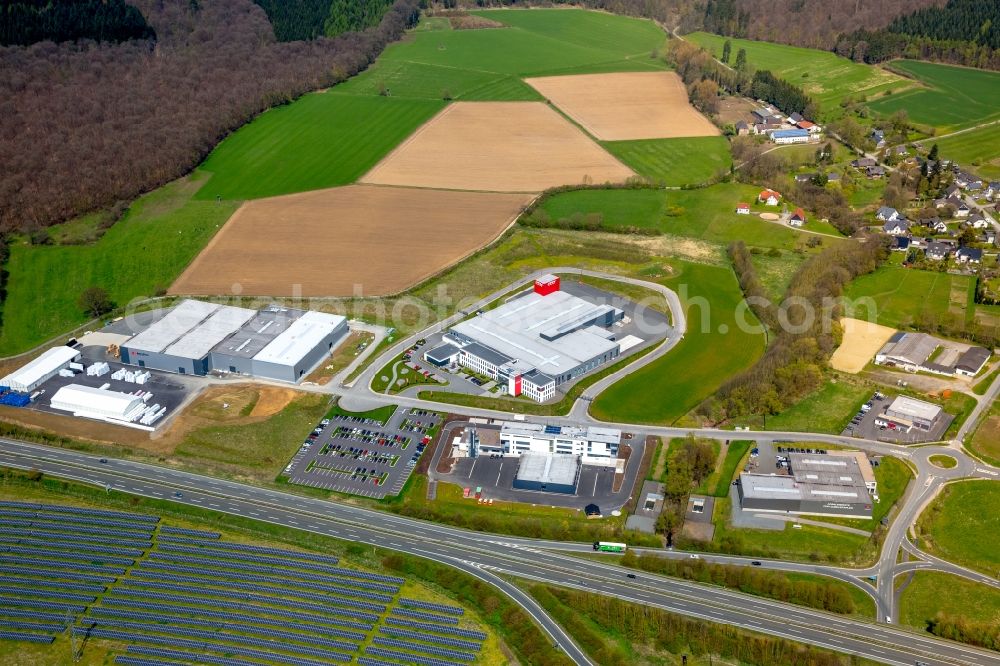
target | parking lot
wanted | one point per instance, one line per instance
(363, 456)
(862, 424)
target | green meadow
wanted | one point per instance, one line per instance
(978, 149)
(949, 98)
(960, 525)
(826, 77)
(713, 350)
(674, 162)
(901, 296)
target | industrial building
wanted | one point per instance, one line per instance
(916, 352)
(96, 403)
(906, 413)
(197, 338)
(35, 373)
(593, 445)
(839, 483)
(547, 473)
(533, 343)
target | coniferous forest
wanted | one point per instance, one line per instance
(28, 21)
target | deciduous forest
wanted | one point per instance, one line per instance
(90, 123)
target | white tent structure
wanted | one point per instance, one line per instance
(96, 403)
(30, 376)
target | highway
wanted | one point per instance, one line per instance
(488, 556)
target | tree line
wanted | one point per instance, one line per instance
(772, 584)
(307, 19)
(689, 462)
(88, 124)
(24, 22)
(649, 628)
(964, 630)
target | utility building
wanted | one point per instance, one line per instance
(545, 473)
(32, 375)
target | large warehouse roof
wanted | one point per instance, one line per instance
(300, 338)
(91, 400)
(28, 375)
(545, 468)
(767, 486)
(259, 332)
(543, 331)
(222, 323)
(912, 408)
(178, 322)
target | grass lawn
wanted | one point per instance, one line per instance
(380, 414)
(952, 97)
(806, 543)
(978, 149)
(960, 525)
(826, 410)
(899, 297)
(685, 161)
(133, 259)
(983, 385)
(776, 272)
(736, 453)
(405, 377)
(943, 461)
(713, 350)
(254, 451)
(706, 214)
(986, 442)
(825, 77)
(320, 140)
(933, 592)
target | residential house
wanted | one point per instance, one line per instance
(961, 208)
(992, 189)
(878, 138)
(953, 191)
(762, 115)
(969, 255)
(900, 151)
(990, 237)
(812, 128)
(935, 224)
(833, 177)
(863, 162)
(742, 209)
(977, 221)
(901, 243)
(805, 177)
(938, 250)
(967, 181)
(769, 197)
(798, 218)
(876, 171)
(898, 227)
(766, 128)
(888, 214)
(742, 128)
(796, 117)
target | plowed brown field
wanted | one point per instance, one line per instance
(626, 105)
(500, 147)
(346, 241)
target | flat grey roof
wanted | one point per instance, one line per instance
(185, 316)
(544, 468)
(767, 486)
(911, 408)
(487, 354)
(258, 332)
(198, 342)
(442, 352)
(300, 338)
(515, 329)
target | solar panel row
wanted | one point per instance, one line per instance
(56, 574)
(425, 649)
(368, 661)
(25, 636)
(38, 603)
(140, 661)
(427, 605)
(178, 605)
(236, 622)
(283, 590)
(427, 617)
(39, 627)
(32, 615)
(57, 584)
(48, 595)
(82, 529)
(58, 508)
(250, 596)
(186, 656)
(324, 645)
(246, 548)
(34, 542)
(86, 557)
(279, 577)
(9, 560)
(76, 519)
(409, 658)
(451, 631)
(80, 538)
(186, 532)
(430, 638)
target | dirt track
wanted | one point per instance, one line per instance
(862, 340)
(627, 105)
(500, 147)
(346, 241)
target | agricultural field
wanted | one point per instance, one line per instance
(714, 349)
(320, 140)
(960, 525)
(706, 214)
(861, 341)
(824, 76)
(142, 253)
(986, 442)
(902, 296)
(933, 592)
(499, 147)
(949, 98)
(296, 244)
(674, 162)
(978, 149)
(626, 106)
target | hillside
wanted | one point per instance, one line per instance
(216, 66)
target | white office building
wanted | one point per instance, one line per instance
(594, 445)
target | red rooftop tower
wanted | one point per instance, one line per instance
(547, 284)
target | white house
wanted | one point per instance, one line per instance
(798, 218)
(743, 209)
(887, 214)
(969, 255)
(898, 227)
(769, 197)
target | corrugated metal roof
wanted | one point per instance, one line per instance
(300, 338)
(197, 342)
(177, 323)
